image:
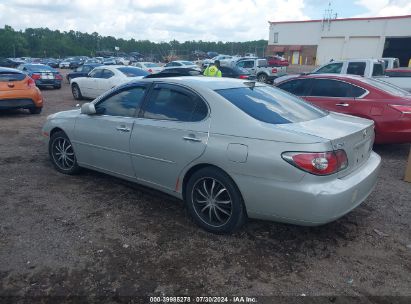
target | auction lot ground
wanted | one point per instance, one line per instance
(97, 235)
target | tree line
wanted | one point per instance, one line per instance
(44, 42)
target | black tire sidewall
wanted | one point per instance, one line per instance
(238, 211)
(76, 87)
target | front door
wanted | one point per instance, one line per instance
(102, 140)
(171, 132)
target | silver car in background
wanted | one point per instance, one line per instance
(230, 149)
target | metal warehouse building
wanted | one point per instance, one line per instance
(318, 41)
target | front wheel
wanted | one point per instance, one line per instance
(262, 78)
(62, 154)
(76, 92)
(214, 201)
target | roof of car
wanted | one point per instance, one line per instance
(213, 83)
(2, 69)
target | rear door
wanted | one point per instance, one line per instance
(88, 85)
(170, 133)
(102, 140)
(105, 83)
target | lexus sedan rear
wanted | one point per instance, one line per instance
(230, 149)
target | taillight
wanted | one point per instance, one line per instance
(243, 77)
(31, 83)
(274, 70)
(58, 77)
(150, 70)
(35, 76)
(318, 163)
(402, 108)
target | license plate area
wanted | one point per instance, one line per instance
(47, 76)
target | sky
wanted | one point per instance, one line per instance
(165, 20)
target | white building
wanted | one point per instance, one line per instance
(319, 41)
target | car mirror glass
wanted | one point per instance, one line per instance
(88, 108)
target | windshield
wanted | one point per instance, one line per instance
(8, 76)
(133, 72)
(271, 105)
(385, 86)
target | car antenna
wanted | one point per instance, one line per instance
(250, 84)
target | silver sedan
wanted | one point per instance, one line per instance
(230, 149)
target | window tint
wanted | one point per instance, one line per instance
(171, 104)
(8, 76)
(107, 74)
(271, 105)
(96, 73)
(262, 63)
(385, 86)
(133, 72)
(378, 69)
(334, 68)
(356, 68)
(226, 71)
(246, 64)
(123, 103)
(297, 87)
(334, 88)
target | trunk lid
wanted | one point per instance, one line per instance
(352, 134)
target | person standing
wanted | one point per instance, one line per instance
(213, 70)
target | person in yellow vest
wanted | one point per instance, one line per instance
(213, 70)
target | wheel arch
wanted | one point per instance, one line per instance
(200, 166)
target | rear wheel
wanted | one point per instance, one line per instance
(214, 201)
(262, 78)
(62, 154)
(35, 110)
(76, 92)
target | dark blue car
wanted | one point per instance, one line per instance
(43, 75)
(82, 71)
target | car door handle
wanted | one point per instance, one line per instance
(192, 138)
(342, 104)
(123, 129)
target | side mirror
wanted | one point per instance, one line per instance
(88, 108)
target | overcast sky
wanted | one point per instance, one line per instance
(164, 20)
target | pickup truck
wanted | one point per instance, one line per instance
(260, 69)
(391, 63)
(370, 68)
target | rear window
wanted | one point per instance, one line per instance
(356, 68)
(11, 76)
(385, 86)
(133, 72)
(39, 68)
(378, 69)
(271, 105)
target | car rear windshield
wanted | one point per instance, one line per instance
(133, 72)
(271, 105)
(39, 68)
(11, 76)
(385, 86)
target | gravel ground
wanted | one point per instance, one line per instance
(98, 236)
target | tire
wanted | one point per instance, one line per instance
(262, 78)
(68, 79)
(75, 90)
(225, 214)
(62, 154)
(35, 110)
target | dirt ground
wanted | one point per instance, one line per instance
(98, 236)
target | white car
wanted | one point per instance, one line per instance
(64, 64)
(151, 67)
(102, 79)
(225, 60)
(181, 64)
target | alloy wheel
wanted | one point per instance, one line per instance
(211, 201)
(63, 153)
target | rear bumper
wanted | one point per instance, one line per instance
(48, 82)
(19, 103)
(309, 202)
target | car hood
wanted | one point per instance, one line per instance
(65, 114)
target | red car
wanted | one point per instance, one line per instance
(388, 105)
(277, 61)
